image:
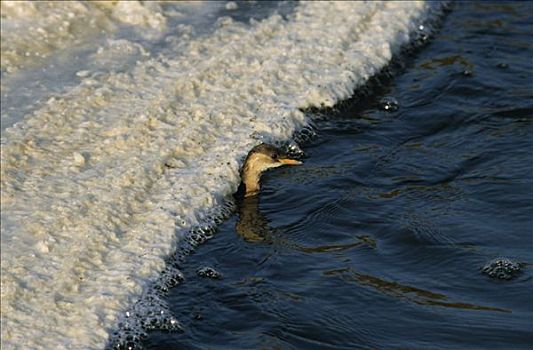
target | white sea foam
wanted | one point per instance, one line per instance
(32, 30)
(89, 208)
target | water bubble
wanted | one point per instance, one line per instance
(467, 73)
(502, 65)
(501, 268)
(389, 104)
(209, 272)
(422, 35)
(231, 5)
(197, 238)
(293, 150)
(305, 134)
(170, 277)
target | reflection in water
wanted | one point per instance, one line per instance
(447, 61)
(402, 291)
(362, 241)
(253, 226)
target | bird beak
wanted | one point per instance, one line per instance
(288, 161)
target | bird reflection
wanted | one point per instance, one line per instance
(404, 291)
(251, 224)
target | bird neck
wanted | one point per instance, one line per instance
(250, 179)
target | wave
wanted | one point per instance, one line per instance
(101, 183)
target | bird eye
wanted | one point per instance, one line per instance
(274, 156)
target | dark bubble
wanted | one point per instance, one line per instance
(306, 134)
(423, 37)
(501, 268)
(467, 73)
(422, 34)
(389, 104)
(502, 65)
(293, 150)
(170, 277)
(209, 272)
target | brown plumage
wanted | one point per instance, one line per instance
(260, 158)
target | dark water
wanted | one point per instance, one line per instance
(378, 240)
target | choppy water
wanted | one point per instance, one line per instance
(379, 239)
